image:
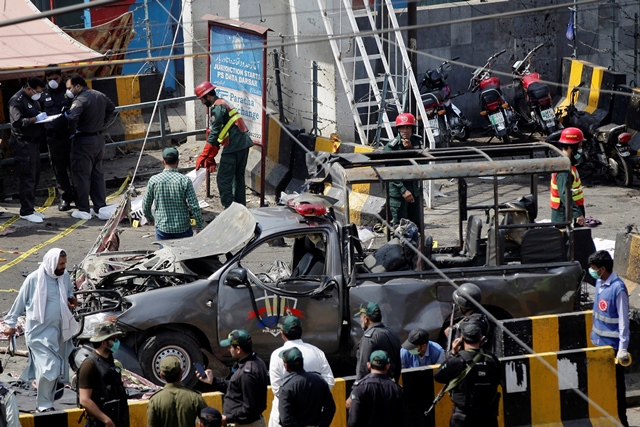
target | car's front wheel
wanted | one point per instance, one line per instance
(165, 343)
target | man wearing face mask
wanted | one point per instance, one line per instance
(26, 136)
(418, 350)
(611, 319)
(54, 101)
(570, 144)
(404, 195)
(89, 113)
(47, 298)
(227, 129)
(100, 389)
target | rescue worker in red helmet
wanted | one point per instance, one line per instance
(570, 143)
(403, 195)
(227, 130)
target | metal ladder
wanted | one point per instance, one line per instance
(371, 83)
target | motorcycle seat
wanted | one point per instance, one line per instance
(431, 96)
(490, 95)
(538, 90)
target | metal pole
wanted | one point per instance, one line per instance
(314, 129)
(412, 36)
(147, 25)
(575, 29)
(613, 34)
(636, 35)
(276, 67)
(381, 110)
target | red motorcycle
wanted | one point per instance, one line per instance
(503, 120)
(532, 97)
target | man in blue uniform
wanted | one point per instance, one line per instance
(26, 136)
(54, 101)
(611, 319)
(418, 351)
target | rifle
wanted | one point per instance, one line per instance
(437, 399)
(450, 337)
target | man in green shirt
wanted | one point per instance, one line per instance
(175, 405)
(227, 129)
(175, 200)
(404, 200)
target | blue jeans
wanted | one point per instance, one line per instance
(161, 235)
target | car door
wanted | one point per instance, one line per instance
(289, 274)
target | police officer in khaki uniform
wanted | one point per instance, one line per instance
(89, 113)
(245, 397)
(175, 405)
(227, 129)
(26, 136)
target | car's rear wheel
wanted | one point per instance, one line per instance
(165, 343)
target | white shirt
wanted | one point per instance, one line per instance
(314, 361)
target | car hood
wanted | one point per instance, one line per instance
(230, 230)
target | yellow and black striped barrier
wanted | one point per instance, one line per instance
(592, 97)
(532, 395)
(543, 334)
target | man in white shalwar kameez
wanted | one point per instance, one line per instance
(47, 298)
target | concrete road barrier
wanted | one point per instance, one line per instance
(545, 333)
(626, 107)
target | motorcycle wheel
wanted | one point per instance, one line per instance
(463, 134)
(620, 170)
(445, 135)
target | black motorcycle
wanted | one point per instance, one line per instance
(602, 151)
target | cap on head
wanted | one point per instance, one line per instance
(170, 365)
(379, 359)
(290, 324)
(416, 337)
(204, 88)
(471, 331)
(104, 331)
(210, 416)
(170, 155)
(292, 357)
(571, 136)
(405, 119)
(370, 309)
(237, 337)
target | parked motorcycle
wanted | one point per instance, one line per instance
(445, 119)
(629, 146)
(532, 98)
(502, 118)
(603, 150)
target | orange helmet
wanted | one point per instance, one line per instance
(405, 119)
(204, 88)
(571, 136)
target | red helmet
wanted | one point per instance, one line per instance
(571, 136)
(405, 119)
(204, 88)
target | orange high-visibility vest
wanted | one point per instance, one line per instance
(576, 190)
(234, 119)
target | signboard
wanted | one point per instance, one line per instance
(238, 74)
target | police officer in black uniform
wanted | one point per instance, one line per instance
(89, 113)
(472, 377)
(100, 389)
(54, 101)
(376, 400)
(26, 137)
(304, 398)
(470, 313)
(376, 337)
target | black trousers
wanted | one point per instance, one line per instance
(460, 419)
(621, 392)
(86, 167)
(27, 158)
(60, 156)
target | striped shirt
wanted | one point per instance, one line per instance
(174, 199)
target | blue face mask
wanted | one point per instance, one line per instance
(115, 346)
(594, 273)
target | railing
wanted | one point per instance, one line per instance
(161, 115)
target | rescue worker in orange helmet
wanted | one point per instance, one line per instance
(570, 143)
(403, 195)
(227, 130)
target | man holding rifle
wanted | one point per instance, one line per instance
(462, 299)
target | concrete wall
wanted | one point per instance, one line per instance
(300, 21)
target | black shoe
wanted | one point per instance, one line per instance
(64, 206)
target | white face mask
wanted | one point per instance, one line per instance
(69, 94)
(36, 96)
(53, 84)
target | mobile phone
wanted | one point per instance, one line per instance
(200, 369)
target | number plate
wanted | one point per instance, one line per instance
(433, 124)
(548, 115)
(625, 154)
(497, 119)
